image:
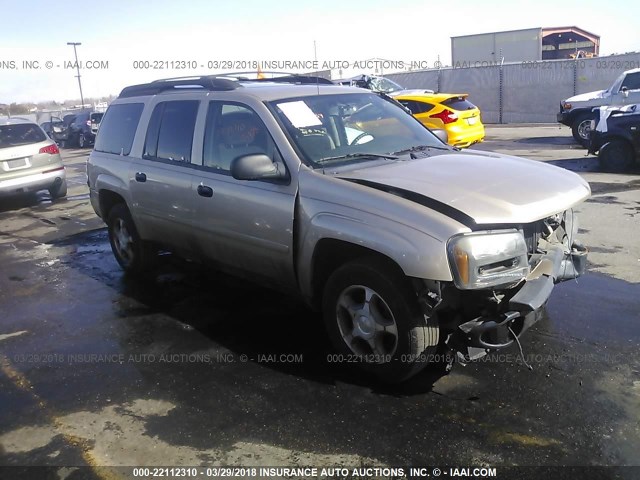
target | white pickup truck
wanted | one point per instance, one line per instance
(577, 111)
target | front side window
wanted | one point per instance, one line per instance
(348, 127)
(234, 130)
(170, 131)
(632, 81)
(119, 128)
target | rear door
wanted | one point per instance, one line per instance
(160, 181)
(245, 226)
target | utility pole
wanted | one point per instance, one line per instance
(74, 44)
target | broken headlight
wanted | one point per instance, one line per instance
(488, 259)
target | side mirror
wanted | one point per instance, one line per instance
(624, 91)
(441, 134)
(256, 166)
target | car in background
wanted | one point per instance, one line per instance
(615, 137)
(62, 136)
(578, 111)
(370, 82)
(80, 132)
(53, 127)
(451, 112)
(29, 160)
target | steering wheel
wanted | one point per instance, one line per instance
(359, 137)
(365, 113)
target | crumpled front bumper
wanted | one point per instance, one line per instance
(563, 117)
(474, 338)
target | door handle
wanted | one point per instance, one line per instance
(205, 191)
(141, 177)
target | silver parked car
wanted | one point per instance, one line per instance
(29, 160)
(410, 248)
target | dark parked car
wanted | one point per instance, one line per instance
(616, 138)
(53, 127)
(61, 137)
(80, 132)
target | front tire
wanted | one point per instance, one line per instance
(616, 156)
(134, 255)
(581, 129)
(371, 313)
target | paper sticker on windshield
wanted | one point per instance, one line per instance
(299, 114)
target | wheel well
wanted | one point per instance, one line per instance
(330, 254)
(107, 200)
(580, 113)
(610, 138)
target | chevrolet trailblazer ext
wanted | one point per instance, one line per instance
(409, 247)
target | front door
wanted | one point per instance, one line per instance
(246, 226)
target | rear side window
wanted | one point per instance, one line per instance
(459, 103)
(170, 131)
(20, 134)
(416, 107)
(118, 128)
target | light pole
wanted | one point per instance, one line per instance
(74, 44)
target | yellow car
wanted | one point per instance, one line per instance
(451, 112)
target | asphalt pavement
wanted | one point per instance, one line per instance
(189, 367)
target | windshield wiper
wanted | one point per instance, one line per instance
(420, 148)
(348, 156)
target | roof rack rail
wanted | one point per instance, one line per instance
(301, 79)
(209, 82)
(284, 77)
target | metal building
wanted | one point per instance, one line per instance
(523, 45)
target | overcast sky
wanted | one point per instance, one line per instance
(122, 32)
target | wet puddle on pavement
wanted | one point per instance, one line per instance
(168, 379)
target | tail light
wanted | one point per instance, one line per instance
(447, 116)
(50, 149)
(88, 123)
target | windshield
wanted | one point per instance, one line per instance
(380, 84)
(615, 86)
(351, 127)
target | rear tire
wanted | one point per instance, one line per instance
(134, 255)
(372, 315)
(581, 129)
(59, 191)
(81, 141)
(616, 156)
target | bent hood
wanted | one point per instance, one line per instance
(488, 187)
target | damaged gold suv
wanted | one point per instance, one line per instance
(410, 248)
